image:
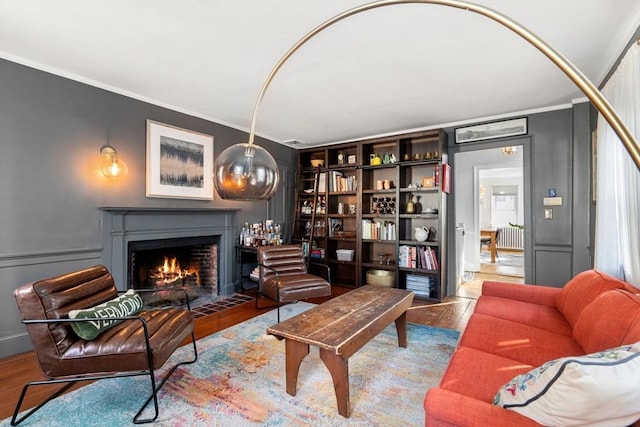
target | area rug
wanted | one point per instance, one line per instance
(239, 380)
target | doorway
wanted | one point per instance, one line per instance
(490, 206)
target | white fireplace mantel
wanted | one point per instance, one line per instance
(121, 225)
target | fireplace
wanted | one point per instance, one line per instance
(190, 263)
(132, 232)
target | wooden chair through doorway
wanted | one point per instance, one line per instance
(284, 276)
(486, 241)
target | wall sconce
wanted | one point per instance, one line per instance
(509, 150)
(111, 167)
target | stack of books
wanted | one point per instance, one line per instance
(420, 285)
(317, 253)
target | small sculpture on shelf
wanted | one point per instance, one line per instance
(389, 158)
(421, 234)
(411, 206)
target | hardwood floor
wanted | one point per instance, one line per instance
(15, 371)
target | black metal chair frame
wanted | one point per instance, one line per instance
(71, 380)
(277, 301)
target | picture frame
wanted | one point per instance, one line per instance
(179, 163)
(501, 129)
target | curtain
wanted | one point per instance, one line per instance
(617, 239)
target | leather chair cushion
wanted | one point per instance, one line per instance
(122, 348)
(296, 287)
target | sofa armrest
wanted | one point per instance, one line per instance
(542, 295)
(447, 408)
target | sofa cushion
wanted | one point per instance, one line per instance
(444, 408)
(612, 319)
(523, 343)
(124, 305)
(540, 316)
(597, 389)
(478, 375)
(582, 290)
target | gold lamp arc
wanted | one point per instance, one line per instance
(243, 151)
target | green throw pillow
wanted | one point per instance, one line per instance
(125, 305)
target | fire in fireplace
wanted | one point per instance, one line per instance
(190, 262)
(170, 274)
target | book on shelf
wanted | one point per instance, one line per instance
(418, 257)
(321, 183)
(378, 230)
(317, 253)
(339, 183)
(420, 285)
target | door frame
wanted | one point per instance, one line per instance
(525, 142)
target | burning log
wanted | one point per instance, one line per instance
(171, 275)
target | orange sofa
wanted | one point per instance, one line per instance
(516, 328)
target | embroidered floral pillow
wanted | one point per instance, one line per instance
(593, 390)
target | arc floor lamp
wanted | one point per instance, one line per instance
(248, 172)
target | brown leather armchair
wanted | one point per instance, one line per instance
(284, 276)
(137, 345)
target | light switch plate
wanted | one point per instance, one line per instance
(552, 201)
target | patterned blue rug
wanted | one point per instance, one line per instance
(239, 380)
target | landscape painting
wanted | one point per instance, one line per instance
(179, 162)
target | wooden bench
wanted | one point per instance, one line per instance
(339, 328)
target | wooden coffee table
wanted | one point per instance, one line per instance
(339, 328)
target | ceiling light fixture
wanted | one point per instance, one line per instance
(509, 150)
(237, 167)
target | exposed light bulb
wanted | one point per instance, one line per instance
(112, 167)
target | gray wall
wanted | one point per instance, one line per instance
(51, 130)
(557, 154)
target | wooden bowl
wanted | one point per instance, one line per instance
(317, 162)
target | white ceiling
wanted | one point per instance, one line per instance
(396, 68)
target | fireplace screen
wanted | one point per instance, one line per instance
(190, 263)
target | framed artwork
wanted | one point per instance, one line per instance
(179, 163)
(492, 130)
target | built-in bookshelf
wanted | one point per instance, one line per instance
(373, 195)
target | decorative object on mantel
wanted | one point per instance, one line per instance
(179, 163)
(112, 166)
